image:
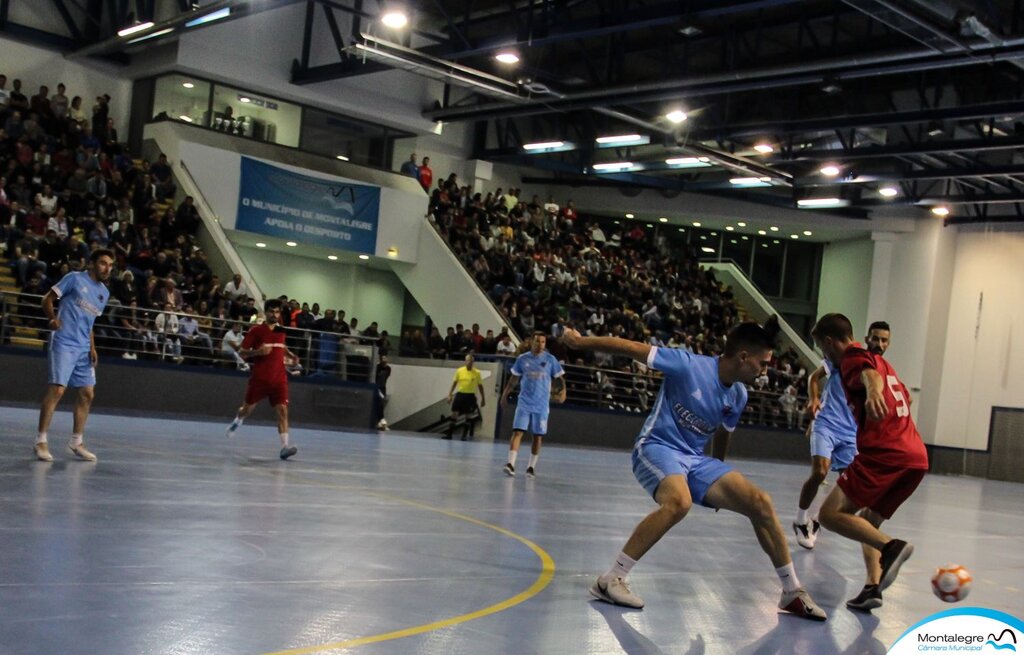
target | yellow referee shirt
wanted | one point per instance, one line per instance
(467, 381)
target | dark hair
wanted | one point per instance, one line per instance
(879, 325)
(539, 333)
(271, 305)
(100, 252)
(835, 326)
(753, 337)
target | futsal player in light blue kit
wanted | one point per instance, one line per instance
(72, 355)
(833, 434)
(700, 397)
(537, 372)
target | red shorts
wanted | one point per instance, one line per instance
(879, 488)
(258, 390)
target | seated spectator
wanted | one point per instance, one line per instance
(167, 327)
(231, 344)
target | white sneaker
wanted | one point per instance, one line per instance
(616, 591)
(383, 425)
(801, 604)
(230, 432)
(807, 533)
(81, 452)
(42, 451)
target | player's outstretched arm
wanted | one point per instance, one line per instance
(614, 345)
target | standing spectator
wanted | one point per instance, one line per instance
(788, 401)
(17, 100)
(4, 95)
(426, 176)
(161, 172)
(76, 115)
(59, 103)
(383, 374)
(410, 168)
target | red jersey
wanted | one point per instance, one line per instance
(893, 441)
(267, 369)
(426, 177)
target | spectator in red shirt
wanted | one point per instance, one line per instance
(890, 463)
(264, 345)
(426, 174)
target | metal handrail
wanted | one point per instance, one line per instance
(352, 356)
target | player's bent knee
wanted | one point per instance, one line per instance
(676, 507)
(760, 505)
(86, 394)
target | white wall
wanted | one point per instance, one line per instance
(846, 280)
(983, 360)
(368, 294)
(36, 66)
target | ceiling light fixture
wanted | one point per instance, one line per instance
(623, 140)
(507, 57)
(707, 249)
(135, 29)
(152, 35)
(245, 99)
(543, 145)
(188, 85)
(813, 203)
(629, 216)
(941, 210)
(807, 233)
(830, 170)
(187, 119)
(613, 166)
(729, 228)
(395, 19)
(888, 191)
(333, 258)
(210, 17)
(773, 228)
(663, 220)
(794, 236)
(341, 157)
(688, 162)
(762, 232)
(764, 148)
(696, 223)
(676, 116)
(261, 245)
(290, 244)
(741, 224)
(364, 256)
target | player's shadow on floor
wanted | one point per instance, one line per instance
(630, 639)
(796, 635)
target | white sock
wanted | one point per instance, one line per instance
(238, 421)
(621, 567)
(819, 500)
(801, 516)
(512, 454)
(787, 574)
(284, 438)
(76, 440)
(41, 438)
(533, 460)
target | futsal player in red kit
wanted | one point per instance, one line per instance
(264, 346)
(890, 463)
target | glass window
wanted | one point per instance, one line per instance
(333, 135)
(252, 115)
(706, 242)
(182, 98)
(737, 247)
(801, 269)
(768, 253)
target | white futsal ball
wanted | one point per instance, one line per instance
(952, 583)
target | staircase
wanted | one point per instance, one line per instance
(20, 335)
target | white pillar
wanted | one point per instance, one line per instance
(881, 273)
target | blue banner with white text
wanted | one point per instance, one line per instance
(306, 209)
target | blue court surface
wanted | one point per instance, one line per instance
(180, 541)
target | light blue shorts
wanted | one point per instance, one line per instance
(535, 422)
(653, 462)
(826, 443)
(71, 369)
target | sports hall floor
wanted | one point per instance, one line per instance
(179, 541)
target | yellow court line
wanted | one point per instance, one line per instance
(543, 580)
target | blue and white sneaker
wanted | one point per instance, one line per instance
(230, 432)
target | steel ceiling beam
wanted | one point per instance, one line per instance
(902, 150)
(808, 72)
(880, 119)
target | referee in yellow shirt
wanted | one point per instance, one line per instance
(462, 396)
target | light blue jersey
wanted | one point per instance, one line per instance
(835, 415)
(692, 402)
(82, 300)
(834, 431)
(535, 373)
